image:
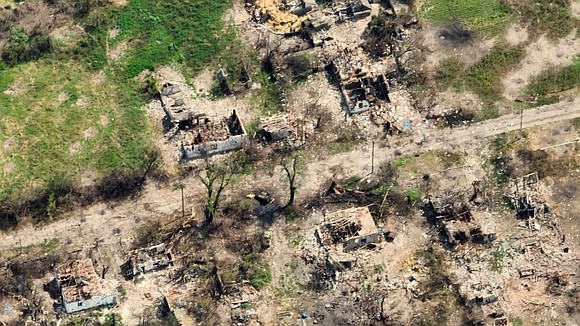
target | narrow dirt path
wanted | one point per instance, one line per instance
(154, 201)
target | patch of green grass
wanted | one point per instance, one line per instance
(378, 268)
(400, 163)
(55, 138)
(548, 85)
(484, 16)
(34, 250)
(413, 195)
(450, 159)
(352, 182)
(502, 149)
(287, 287)
(257, 270)
(188, 32)
(496, 261)
(268, 99)
(484, 77)
(516, 321)
(541, 16)
(576, 124)
(297, 241)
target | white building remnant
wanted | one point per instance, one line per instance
(199, 134)
(81, 287)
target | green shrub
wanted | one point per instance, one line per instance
(413, 196)
(24, 47)
(257, 271)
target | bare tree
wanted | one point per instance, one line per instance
(215, 180)
(291, 170)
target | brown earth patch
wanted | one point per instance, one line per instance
(15, 89)
(9, 143)
(89, 133)
(62, 97)
(120, 3)
(104, 120)
(516, 35)
(36, 13)
(82, 102)
(113, 32)
(99, 77)
(575, 8)
(440, 46)
(116, 53)
(204, 81)
(74, 148)
(9, 167)
(88, 179)
(541, 55)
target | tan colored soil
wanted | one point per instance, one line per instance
(62, 97)
(74, 148)
(541, 56)
(90, 133)
(516, 35)
(9, 167)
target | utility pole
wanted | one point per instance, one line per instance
(182, 203)
(521, 120)
(373, 158)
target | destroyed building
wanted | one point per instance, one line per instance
(82, 288)
(175, 103)
(282, 127)
(206, 137)
(146, 260)
(456, 223)
(362, 86)
(200, 135)
(352, 228)
(526, 198)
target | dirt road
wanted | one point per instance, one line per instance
(99, 220)
(358, 162)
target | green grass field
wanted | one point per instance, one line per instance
(545, 16)
(188, 32)
(99, 127)
(487, 16)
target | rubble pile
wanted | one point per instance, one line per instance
(536, 259)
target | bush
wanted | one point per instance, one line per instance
(24, 47)
(257, 271)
